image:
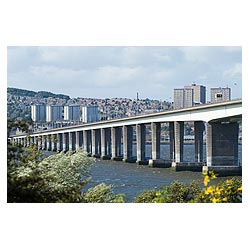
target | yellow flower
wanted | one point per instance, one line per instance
(206, 180)
(214, 200)
(209, 190)
(240, 188)
(224, 199)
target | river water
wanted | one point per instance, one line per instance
(132, 179)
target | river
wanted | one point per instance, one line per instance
(131, 179)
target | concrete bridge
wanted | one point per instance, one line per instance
(104, 139)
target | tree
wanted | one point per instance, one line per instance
(57, 178)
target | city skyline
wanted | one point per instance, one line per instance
(115, 71)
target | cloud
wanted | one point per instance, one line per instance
(107, 71)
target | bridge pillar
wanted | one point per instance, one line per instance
(171, 141)
(58, 142)
(95, 133)
(179, 135)
(64, 142)
(43, 142)
(52, 142)
(87, 141)
(156, 140)
(141, 142)
(48, 142)
(222, 143)
(70, 141)
(127, 143)
(116, 135)
(77, 133)
(198, 140)
(105, 143)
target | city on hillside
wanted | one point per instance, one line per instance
(46, 110)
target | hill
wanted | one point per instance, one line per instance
(39, 94)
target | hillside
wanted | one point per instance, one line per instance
(39, 94)
(19, 103)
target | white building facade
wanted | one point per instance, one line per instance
(90, 114)
(38, 112)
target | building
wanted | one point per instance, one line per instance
(189, 96)
(72, 113)
(38, 112)
(220, 94)
(90, 114)
(199, 93)
(54, 113)
(178, 98)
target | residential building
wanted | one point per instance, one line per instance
(54, 113)
(90, 114)
(72, 113)
(220, 94)
(199, 93)
(38, 112)
(189, 96)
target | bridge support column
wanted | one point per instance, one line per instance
(156, 140)
(141, 142)
(43, 142)
(127, 143)
(198, 140)
(222, 144)
(105, 143)
(116, 134)
(77, 133)
(87, 141)
(179, 136)
(58, 143)
(53, 137)
(95, 133)
(64, 142)
(171, 141)
(70, 141)
(49, 142)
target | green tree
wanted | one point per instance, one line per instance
(57, 178)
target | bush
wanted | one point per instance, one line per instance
(225, 191)
(57, 178)
(102, 193)
(146, 196)
(176, 192)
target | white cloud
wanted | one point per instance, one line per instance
(121, 71)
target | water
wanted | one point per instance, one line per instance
(131, 179)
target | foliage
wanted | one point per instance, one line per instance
(146, 196)
(176, 192)
(103, 193)
(57, 178)
(225, 191)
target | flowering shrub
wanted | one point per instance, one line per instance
(102, 193)
(225, 191)
(57, 178)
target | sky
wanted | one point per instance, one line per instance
(116, 71)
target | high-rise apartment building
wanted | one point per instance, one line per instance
(54, 113)
(90, 114)
(72, 113)
(220, 94)
(38, 112)
(189, 96)
(199, 93)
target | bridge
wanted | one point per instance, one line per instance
(113, 139)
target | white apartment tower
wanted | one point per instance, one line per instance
(189, 96)
(220, 94)
(54, 113)
(38, 112)
(72, 113)
(90, 114)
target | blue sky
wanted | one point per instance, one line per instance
(116, 71)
